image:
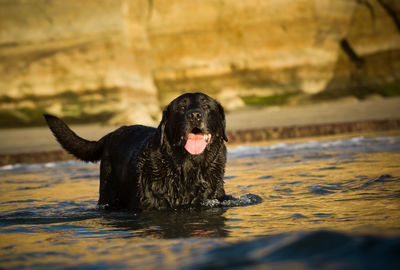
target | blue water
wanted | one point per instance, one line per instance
(328, 203)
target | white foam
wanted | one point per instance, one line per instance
(245, 200)
(22, 166)
(249, 151)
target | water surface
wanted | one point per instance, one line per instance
(326, 203)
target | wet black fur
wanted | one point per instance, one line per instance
(145, 168)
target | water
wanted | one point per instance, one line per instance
(329, 203)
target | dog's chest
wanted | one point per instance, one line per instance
(173, 186)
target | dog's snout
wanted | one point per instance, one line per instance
(195, 115)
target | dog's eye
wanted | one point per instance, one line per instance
(182, 108)
(206, 106)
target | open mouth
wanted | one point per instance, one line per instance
(197, 141)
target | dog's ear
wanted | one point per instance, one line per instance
(161, 127)
(222, 113)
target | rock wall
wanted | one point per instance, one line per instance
(247, 46)
(76, 59)
(121, 59)
(268, 47)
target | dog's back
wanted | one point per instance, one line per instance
(119, 166)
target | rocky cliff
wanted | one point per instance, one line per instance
(269, 47)
(86, 59)
(121, 59)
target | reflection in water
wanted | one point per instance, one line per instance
(345, 192)
(199, 223)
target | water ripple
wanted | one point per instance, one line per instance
(313, 250)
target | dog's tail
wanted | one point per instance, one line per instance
(77, 146)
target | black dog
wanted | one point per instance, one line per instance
(180, 163)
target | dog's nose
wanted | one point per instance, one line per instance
(195, 116)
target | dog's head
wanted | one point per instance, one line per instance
(192, 122)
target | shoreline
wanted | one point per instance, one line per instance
(346, 116)
(235, 137)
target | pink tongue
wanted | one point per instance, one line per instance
(195, 144)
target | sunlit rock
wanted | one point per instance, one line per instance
(146, 52)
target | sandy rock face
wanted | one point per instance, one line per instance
(269, 47)
(104, 57)
(92, 57)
